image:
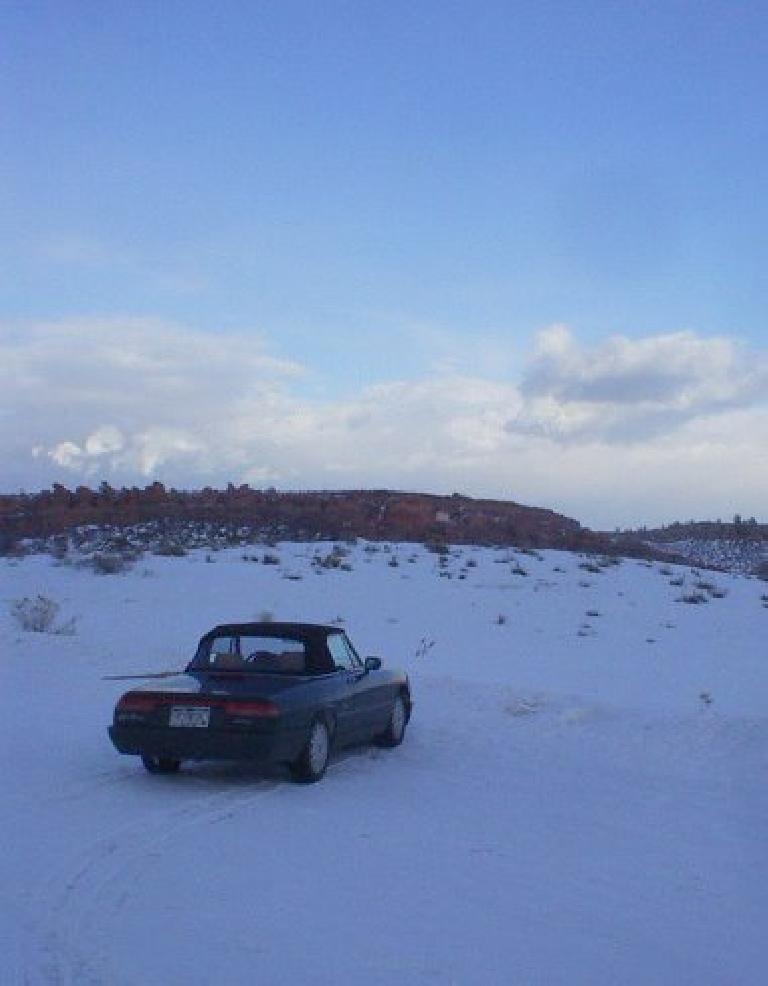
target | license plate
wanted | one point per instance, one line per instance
(182, 715)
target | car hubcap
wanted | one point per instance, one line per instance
(318, 747)
(398, 718)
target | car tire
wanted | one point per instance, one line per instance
(160, 765)
(398, 719)
(311, 763)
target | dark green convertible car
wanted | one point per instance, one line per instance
(269, 692)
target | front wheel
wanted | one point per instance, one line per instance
(398, 720)
(160, 765)
(311, 763)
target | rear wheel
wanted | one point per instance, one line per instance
(160, 765)
(398, 720)
(311, 763)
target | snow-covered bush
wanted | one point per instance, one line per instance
(110, 563)
(39, 615)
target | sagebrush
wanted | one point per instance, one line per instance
(38, 614)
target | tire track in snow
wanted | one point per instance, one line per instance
(92, 887)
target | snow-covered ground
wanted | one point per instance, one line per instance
(742, 555)
(581, 797)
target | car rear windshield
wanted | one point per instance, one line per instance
(246, 652)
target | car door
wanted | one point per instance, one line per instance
(371, 692)
(352, 713)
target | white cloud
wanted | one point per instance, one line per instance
(616, 434)
(625, 390)
(104, 441)
(158, 447)
(66, 454)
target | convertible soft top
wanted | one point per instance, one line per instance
(313, 635)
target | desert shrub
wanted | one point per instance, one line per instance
(711, 589)
(39, 615)
(109, 563)
(332, 560)
(11, 548)
(590, 566)
(609, 561)
(170, 549)
(36, 615)
(705, 586)
(693, 598)
(531, 552)
(60, 548)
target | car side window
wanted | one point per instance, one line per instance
(343, 656)
(224, 652)
(356, 662)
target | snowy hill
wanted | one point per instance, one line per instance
(580, 799)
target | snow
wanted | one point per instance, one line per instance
(579, 799)
(743, 555)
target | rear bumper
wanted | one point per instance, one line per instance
(281, 746)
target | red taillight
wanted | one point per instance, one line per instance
(253, 708)
(138, 702)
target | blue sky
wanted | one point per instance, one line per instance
(531, 205)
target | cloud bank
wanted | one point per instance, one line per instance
(629, 390)
(624, 432)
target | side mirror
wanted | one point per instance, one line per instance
(372, 663)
